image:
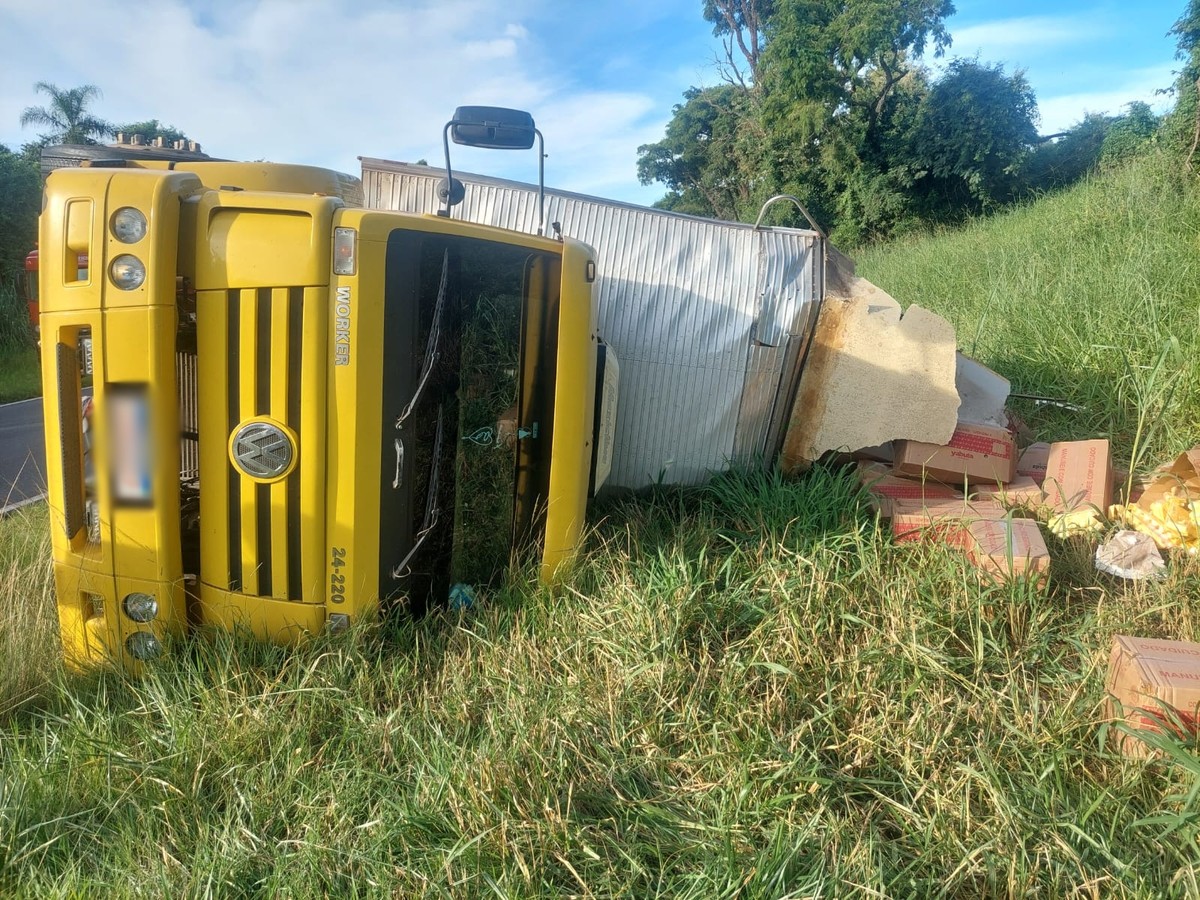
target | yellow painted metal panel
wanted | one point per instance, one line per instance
(268, 619)
(251, 240)
(574, 411)
(247, 390)
(212, 310)
(278, 411)
(313, 430)
(355, 428)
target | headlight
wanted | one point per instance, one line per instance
(127, 272)
(143, 645)
(141, 607)
(128, 225)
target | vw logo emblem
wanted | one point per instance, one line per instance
(262, 450)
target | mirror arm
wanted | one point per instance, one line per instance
(541, 182)
(449, 175)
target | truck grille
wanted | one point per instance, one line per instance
(255, 347)
(189, 412)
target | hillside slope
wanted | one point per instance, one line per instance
(1078, 297)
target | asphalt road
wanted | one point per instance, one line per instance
(22, 453)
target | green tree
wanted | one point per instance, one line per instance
(1062, 159)
(972, 137)
(151, 129)
(1182, 126)
(703, 159)
(740, 22)
(67, 115)
(1130, 133)
(20, 201)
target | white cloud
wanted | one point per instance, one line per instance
(1060, 112)
(1005, 37)
(323, 82)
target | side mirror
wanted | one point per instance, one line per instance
(492, 127)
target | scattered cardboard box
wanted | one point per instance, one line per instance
(1008, 549)
(1020, 493)
(1078, 476)
(886, 487)
(941, 520)
(1146, 674)
(1167, 505)
(974, 454)
(1032, 461)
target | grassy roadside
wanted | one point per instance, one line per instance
(742, 691)
(20, 377)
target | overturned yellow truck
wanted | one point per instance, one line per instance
(267, 408)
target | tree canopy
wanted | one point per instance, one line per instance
(829, 100)
(67, 115)
(20, 200)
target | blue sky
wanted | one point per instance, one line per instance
(323, 82)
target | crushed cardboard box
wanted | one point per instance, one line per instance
(1032, 461)
(1153, 685)
(1020, 493)
(1008, 549)
(1078, 485)
(940, 520)
(885, 487)
(974, 454)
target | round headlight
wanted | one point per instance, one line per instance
(141, 607)
(127, 272)
(143, 645)
(128, 225)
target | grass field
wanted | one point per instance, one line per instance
(742, 691)
(20, 377)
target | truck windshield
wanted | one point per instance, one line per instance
(470, 334)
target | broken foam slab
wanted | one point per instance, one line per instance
(873, 374)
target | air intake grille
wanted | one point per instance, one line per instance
(254, 347)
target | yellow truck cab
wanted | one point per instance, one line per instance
(298, 410)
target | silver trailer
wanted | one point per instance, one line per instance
(710, 320)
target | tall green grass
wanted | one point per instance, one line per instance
(1090, 296)
(746, 690)
(19, 374)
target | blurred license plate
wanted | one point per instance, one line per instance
(128, 420)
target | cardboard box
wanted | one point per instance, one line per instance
(1144, 674)
(1006, 549)
(1021, 493)
(886, 487)
(1032, 461)
(975, 454)
(940, 520)
(1079, 476)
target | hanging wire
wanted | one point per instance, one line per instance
(432, 510)
(431, 343)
